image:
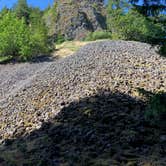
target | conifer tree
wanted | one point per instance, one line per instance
(149, 7)
(22, 10)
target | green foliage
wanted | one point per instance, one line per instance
(35, 16)
(12, 32)
(4, 11)
(156, 107)
(19, 40)
(60, 39)
(122, 5)
(132, 25)
(21, 10)
(50, 17)
(39, 30)
(5, 59)
(98, 35)
(149, 7)
(162, 50)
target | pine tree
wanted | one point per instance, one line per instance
(128, 24)
(4, 11)
(149, 7)
(22, 10)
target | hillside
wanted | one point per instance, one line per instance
(84, 109)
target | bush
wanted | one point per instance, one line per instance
(19, 40)
(162, 50)
(133, 26)
(59, 39)
(156, 107)
(98, 35)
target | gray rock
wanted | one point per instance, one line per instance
(35, 93)
(75, 19)
(163, 138)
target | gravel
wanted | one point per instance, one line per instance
(14, 76)
(34, 93)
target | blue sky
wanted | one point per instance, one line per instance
(36, 3)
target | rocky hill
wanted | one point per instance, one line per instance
(84, 109)
(75, 18)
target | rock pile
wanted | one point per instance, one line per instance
(114, 65)
(109, 66)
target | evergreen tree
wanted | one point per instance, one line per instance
(128, 24)
(4, 11)
(118, 5)
(149, 7)
(35, 16)
(22, 10)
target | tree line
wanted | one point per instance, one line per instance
(129, 21)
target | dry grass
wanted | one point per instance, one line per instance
(68, 48)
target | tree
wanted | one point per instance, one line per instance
(35, 16)
(4, 11)
(50, 17)
(115, 9)
(19, 40)
(22, 10)
(149, 7)
(122, 5)
(128, 24)
(38, 27)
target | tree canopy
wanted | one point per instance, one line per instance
(149, 7)
(22, 10)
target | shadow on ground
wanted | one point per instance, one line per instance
(103, 130)
(37, 59)
(43, 58)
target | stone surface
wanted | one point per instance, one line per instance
(83, 107)
(75, 19)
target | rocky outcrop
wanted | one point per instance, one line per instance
(76, 18)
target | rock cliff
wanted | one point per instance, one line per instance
(75, 18)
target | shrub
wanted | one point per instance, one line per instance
(12, 32)
(133, 26)
(98, 35)
(59, 39)
(20, 40)
(162, 50)
(156, 107)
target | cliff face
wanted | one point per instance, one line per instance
(75, 18)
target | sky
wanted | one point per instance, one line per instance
(42, 4)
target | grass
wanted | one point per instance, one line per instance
(5, 59)
(69, 47)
